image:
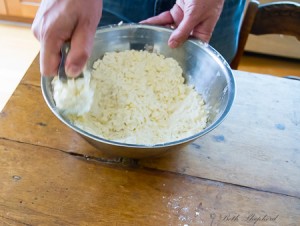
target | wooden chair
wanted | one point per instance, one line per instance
(272, 18)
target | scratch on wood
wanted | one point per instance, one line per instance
(3, 114)
(197, 146)
(218, 197)
(42, 124)
(219, 138)
(280, 126)
(119, 160)
(16, 177)
(295, 119)
(13, 220)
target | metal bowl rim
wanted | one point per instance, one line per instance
(208, 48)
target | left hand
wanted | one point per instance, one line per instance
(197, 18)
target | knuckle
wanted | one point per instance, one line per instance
(46, 33)
(47, 29)
(35, 31)
(35, 28)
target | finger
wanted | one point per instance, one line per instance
(36, 24)
(81, 48)
(164, 18)
(183, 31)
(50, 56)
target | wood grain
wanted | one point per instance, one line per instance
(251, 9)
(284, 46)
(273, 18)
(256, 146)
(21, 9)
(277, 18)
(33, 75)
(3, 10)
(41, 186)
(18, 49)
(34, 123)
(18, 10)
(276, 66)
(245, 172)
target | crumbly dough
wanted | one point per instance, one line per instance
(141, 98)
(75, 96)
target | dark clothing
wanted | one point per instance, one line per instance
(225, 35)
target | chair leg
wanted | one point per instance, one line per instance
(245, 30)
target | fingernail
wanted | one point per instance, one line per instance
(173, 44)
(73, 71)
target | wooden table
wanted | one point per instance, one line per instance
(245, 172)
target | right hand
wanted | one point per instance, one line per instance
(197, 18)
(73, 21)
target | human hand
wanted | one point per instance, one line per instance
(57, 22)
(189, 17)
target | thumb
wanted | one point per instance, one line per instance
(81, 47)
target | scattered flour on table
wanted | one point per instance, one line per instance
(139, 98)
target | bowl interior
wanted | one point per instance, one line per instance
(203, 67)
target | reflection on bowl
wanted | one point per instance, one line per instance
(203, 67)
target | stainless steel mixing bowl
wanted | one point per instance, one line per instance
(203, 67)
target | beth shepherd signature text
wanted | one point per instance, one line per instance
(251, 218)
